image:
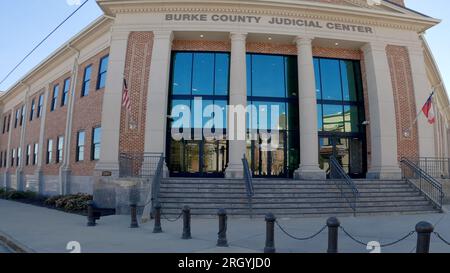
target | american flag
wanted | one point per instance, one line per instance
(126, 96)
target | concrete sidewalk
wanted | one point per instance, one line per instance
(45, 230)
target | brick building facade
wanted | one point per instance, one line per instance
(59, 104)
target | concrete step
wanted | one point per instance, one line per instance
(303, 200)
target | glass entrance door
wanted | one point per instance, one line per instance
(347, 150)
(198, 158)
(267, 160)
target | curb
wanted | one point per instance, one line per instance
(13, 245)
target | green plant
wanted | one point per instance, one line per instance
(70, 203)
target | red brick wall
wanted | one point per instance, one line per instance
(55, 126)
(15, 136)
(405, 109)
(32, 132)
(4, 138)
(137, 71)
(183, 45)
(87, 114)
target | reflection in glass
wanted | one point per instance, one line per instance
(333, 119)
(222, 68)
(331, 80)
(268, 76)
(181, 73)
(203, 74)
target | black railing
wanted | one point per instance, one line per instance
(434, 166)
(138, 165)
(344, 183)
(248, 179)
(422, 181)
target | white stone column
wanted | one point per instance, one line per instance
(112, 104)
(158, 93)
(383, 130)
(40, 162)
(422, 90)
(65, 171)
(19, 170)
(309, 138)
(238, 97)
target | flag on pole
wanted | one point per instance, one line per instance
(126, 96)
(428, 110)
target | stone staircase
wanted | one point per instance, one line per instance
(288, 198)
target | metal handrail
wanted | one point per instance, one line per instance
(436, 167)
(422, 181)
(344, 183)
(248, 179)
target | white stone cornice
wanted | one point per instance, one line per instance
(345, 14)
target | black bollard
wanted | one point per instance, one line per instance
(134, 222)
(333, 228)
(186, 223)
(157, 228)
(424, 230)
(91, 216)
(270, 233)
(222, 240)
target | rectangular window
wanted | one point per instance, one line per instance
(1, 159)
(80, 146)
(5, 159)
(22, 115)
(33, 108)
(65, 93)
(5, 119)
(102, 72)
(86, 81)
(19, 156)
(16, 121)
(96, 140)
(27, 161)
(13, 157)
(59, 151)
(49, 151)
(9, 122)
(54, 98)
(40, 105)
(35, 153)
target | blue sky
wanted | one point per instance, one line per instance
(24, 23)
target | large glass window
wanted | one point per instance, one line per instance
(272, 88)
(199, 85)
(340, 113)
(340, 100)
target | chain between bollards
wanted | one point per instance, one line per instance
(157, 228)
(222, 235)
(186, 223)
(134, 221)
